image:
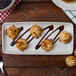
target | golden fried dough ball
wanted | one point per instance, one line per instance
(70, 61)
(12, 32)
(75, 52)
(21, 44)
(65, 37)
(36, 31)
(47, 44)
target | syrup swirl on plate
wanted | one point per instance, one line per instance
(51, 27)
(15, 40)
(54, 41)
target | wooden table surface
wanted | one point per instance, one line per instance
(37, 10)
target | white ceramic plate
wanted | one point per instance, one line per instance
(64, 5)
(58, 49)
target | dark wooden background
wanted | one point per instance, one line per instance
(37, 10)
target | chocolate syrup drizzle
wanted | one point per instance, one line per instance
(15, 40)
(51, 27)
(54, 41)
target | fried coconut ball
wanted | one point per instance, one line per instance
(36, 31)
(65, 37)
(70, 61)
(12, 32)
(21, 44)
(47, 44)
(75, 52)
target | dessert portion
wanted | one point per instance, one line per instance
(50, 28)
(70, 61)
(47, 44)
(12, 32)
(36, 31)
(21, 44)
(65, 37)
(14, 41)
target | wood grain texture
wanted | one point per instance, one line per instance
(37, 12)
(40, 72)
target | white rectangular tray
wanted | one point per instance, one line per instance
(58, 49)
